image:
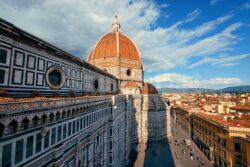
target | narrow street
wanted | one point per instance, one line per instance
(158, 154)
(171, 152)
(182, 156)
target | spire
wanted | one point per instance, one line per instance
(116, 26)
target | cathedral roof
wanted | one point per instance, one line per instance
(149, 89)
(115, 45)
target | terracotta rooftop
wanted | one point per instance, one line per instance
(245, 117)
(12, 99)
(230, 123)
(9, 104)
(33, 99)
(246, 108)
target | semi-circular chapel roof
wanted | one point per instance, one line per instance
(149, 89)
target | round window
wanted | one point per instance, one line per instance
(96, 84)
(55, 77)
(128, 72)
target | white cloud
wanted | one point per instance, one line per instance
(189, 17)
(214, 2)
(77, 25)
(228, 64)
(175, 46)
(193, 15)
(224, 61)
(246, 5)
(184, 81)
(164, 5)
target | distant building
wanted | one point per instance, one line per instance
(223, 138)
(183, 118)
(223, 141)
(240, 109)
(223, 107)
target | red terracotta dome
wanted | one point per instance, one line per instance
(115, 45)
(149, 89)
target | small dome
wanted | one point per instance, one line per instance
(149, 89)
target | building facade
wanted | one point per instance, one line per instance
(224, 139)
(58, 110)
(224, 142)
(183, 118)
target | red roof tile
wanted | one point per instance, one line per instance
(230, 123)
(247, 108)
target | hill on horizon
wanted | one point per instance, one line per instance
(232, 89)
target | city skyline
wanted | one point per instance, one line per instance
(182, 44)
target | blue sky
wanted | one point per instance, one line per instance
(232, 61)
(183, 43)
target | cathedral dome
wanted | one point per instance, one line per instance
(118, 55)
(149, 89)
(115, 48)
(115, 45)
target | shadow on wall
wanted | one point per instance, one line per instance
(158, 152)
(151, 146)
(134, 136)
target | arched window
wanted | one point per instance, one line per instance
(73, 111)
(1, 130)
(35, 121)
(111, 87)
(68, 113)
(58, 116)
(25, 123)
(51, 117)
(63, 114)
(96, 84)
(13, 126)
(44, 119)
(77, 111)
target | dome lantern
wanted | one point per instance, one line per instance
(116, 26)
